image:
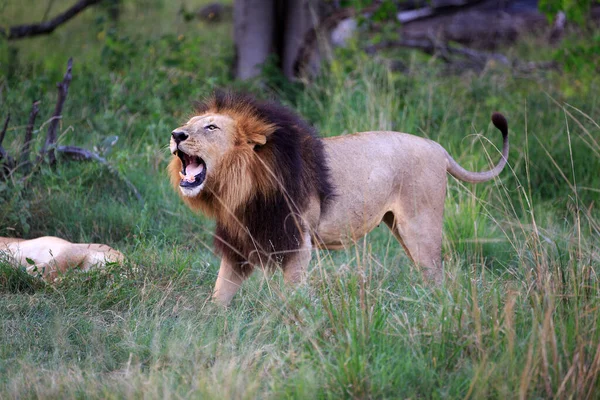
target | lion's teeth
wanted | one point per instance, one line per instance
(190, 178)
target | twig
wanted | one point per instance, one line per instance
(77, 153)
(63, 90)
(42, 28)
(24, 161)
(48, 8)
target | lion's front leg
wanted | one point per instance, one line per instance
(230, 279)
(296, 264)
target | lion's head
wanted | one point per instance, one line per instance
(249, 164)
(220, 155)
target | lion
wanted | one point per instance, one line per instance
(277, 190)
(48, 256)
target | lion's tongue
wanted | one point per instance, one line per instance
(193, 169)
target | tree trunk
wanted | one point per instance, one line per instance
(253, 35)
(271, 27)
(300, 17)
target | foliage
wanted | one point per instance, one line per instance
(575, 10)
(580, 57)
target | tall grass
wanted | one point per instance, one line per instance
(516, 317)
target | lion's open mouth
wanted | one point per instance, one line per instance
(193, 171)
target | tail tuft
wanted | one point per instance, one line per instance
(499, 122)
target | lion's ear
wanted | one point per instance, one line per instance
(256, 131)
(257, 140)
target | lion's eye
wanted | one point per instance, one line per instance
(210, 127)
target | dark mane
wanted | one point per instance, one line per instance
(295, 153)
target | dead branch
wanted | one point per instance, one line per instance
(51, 137)
(5, 159)
(43, 28)
(3, 132)
(80, 154)
(3, 154)
(50, 148)
(24, 160)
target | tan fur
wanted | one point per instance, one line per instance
(52, 255)
(388, 177)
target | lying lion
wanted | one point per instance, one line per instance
(276, 190)
(50, 256)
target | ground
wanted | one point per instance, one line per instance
(516, 317)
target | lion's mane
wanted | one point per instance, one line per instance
(258, 193)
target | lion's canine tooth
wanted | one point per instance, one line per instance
(187, 178)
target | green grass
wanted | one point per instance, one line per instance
(516, 318)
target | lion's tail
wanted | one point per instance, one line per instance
(475, 177)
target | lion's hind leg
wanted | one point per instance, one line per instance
(421, 237)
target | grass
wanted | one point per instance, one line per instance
(516, 317)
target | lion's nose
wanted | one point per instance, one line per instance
(179, 136)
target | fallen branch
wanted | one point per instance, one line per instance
(50, 147)
(24, 160)
(43, 28)
(80, 154)
(51, 137)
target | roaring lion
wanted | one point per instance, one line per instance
(277, 190)
(48, 256)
